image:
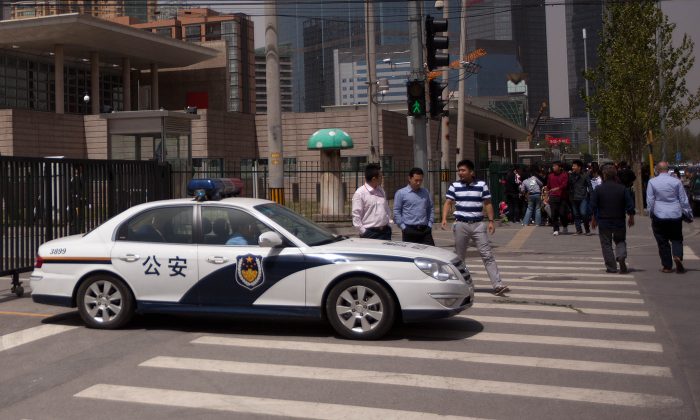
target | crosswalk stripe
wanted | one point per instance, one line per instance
(605, 282)
(19, 338)
(566, 289)
(538, 263)
(596, 396)
(572, 298)
(550, 340)
(246, 404)
(556, 308)
(688, 253)
(485, 358)
(560, 323)
(545, 267)
(520, 274)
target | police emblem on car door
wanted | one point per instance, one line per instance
(249, 271)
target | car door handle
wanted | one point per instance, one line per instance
(130, 258)
(217, 260)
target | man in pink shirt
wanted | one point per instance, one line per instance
(558, 185)
(370, 208)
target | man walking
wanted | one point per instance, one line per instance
(610, 201)
(558, 186)
(413, 210)
(470, 198)
(370, 208)
(667, 203)
(579, 188)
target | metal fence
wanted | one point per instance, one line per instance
(42, 199)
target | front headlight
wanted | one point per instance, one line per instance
(436, 269)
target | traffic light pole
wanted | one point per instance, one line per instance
(445, 122)
(420, 144)
(460, 83)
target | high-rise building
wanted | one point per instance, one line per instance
(285, 66)
(143, 10)
(581, 16)
(231, 33)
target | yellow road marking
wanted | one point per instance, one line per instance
(520, 238)
(25, 314)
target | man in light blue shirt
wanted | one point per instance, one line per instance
(667, 202)
(413, 210)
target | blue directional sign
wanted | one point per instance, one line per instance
(678, 156)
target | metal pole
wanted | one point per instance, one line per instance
(274, 111)
(445, 122)
(462, 77)
(588, 112)
(420, 145)
(371, 81)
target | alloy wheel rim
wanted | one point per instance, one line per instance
(359, 309)
(103, 301)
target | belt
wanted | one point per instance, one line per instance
(378, 229)
(460, 220)
(418, 227)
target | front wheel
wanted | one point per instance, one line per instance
(360, 309)
(105, 302)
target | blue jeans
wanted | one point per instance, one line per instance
(580, 209)
(534, 202)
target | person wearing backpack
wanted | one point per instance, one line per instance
(532, 186)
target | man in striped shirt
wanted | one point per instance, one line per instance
(471, 198)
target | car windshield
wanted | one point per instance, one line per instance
(307, 231)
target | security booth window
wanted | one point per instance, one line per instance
(166, 224)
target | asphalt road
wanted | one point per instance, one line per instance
(570, 341)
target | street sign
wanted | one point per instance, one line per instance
(678, 157)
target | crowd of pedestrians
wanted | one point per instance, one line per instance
(587, 196)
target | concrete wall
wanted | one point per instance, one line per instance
(37, 134)
(228, 135)
(96, 137)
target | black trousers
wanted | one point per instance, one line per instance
(418, 234)
(383, 233)
(513, 201)
(560, 212)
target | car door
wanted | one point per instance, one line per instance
(155, 252)
(236, 271)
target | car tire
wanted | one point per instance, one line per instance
(105, 302)
(360, 309)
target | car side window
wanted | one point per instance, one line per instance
(165, 225)
(232, 227)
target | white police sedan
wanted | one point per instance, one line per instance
(246, 256)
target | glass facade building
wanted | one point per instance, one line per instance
(27, 82)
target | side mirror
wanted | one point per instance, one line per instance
(270, 240)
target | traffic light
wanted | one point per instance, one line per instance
(437, 104)
(415, 90)
(434, 42)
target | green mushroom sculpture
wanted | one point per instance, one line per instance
(330, 141)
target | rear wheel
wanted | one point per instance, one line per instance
(105, 302)
(360, 308)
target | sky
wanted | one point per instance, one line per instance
(684, 13)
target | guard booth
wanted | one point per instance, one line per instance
(159, 135)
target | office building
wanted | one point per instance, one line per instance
(142, 10)
(285, 66)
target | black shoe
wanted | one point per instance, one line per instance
(610, 270)
(500, 290)
(623, 266)
(679, 265)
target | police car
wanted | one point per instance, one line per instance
(245, 256)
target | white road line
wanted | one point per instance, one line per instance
(568, 274)
(569, 269)
(547, 308)
(688, 253)
(560, 323)
(516, 295)
(538, 263)
(19, 338)
(567, 289)
(246, 404)
(486, 358)
(596, 396)
(605, 282)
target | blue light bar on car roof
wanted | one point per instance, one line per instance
(214, 188)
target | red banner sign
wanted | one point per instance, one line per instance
(554, 141)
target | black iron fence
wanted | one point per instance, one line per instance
(42, 199)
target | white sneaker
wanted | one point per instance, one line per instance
(555, 233)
